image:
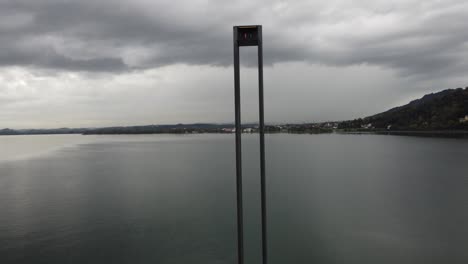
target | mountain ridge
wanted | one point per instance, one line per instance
(444, 110)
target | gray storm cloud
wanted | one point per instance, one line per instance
(98, 63)
(412, 37)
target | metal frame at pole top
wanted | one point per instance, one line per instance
(249, 36)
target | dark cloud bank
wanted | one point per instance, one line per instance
(415, 39)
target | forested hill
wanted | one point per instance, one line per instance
(445, 110)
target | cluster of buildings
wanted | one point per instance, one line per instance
(287, 128)
(367, 126)
(244, 130)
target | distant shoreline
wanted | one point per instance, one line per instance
(433, 133)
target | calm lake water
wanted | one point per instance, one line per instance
(171, 199)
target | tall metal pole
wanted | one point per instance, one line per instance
(240, 225)
(262, 145)
(249, 36)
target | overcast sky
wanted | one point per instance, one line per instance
(91, 63)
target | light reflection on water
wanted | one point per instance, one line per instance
(171, 199)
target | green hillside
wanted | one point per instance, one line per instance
(445, 110)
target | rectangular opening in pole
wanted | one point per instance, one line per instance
(247, 35)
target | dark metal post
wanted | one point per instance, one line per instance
(240, 226)
(262, 145)
(249, 36)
